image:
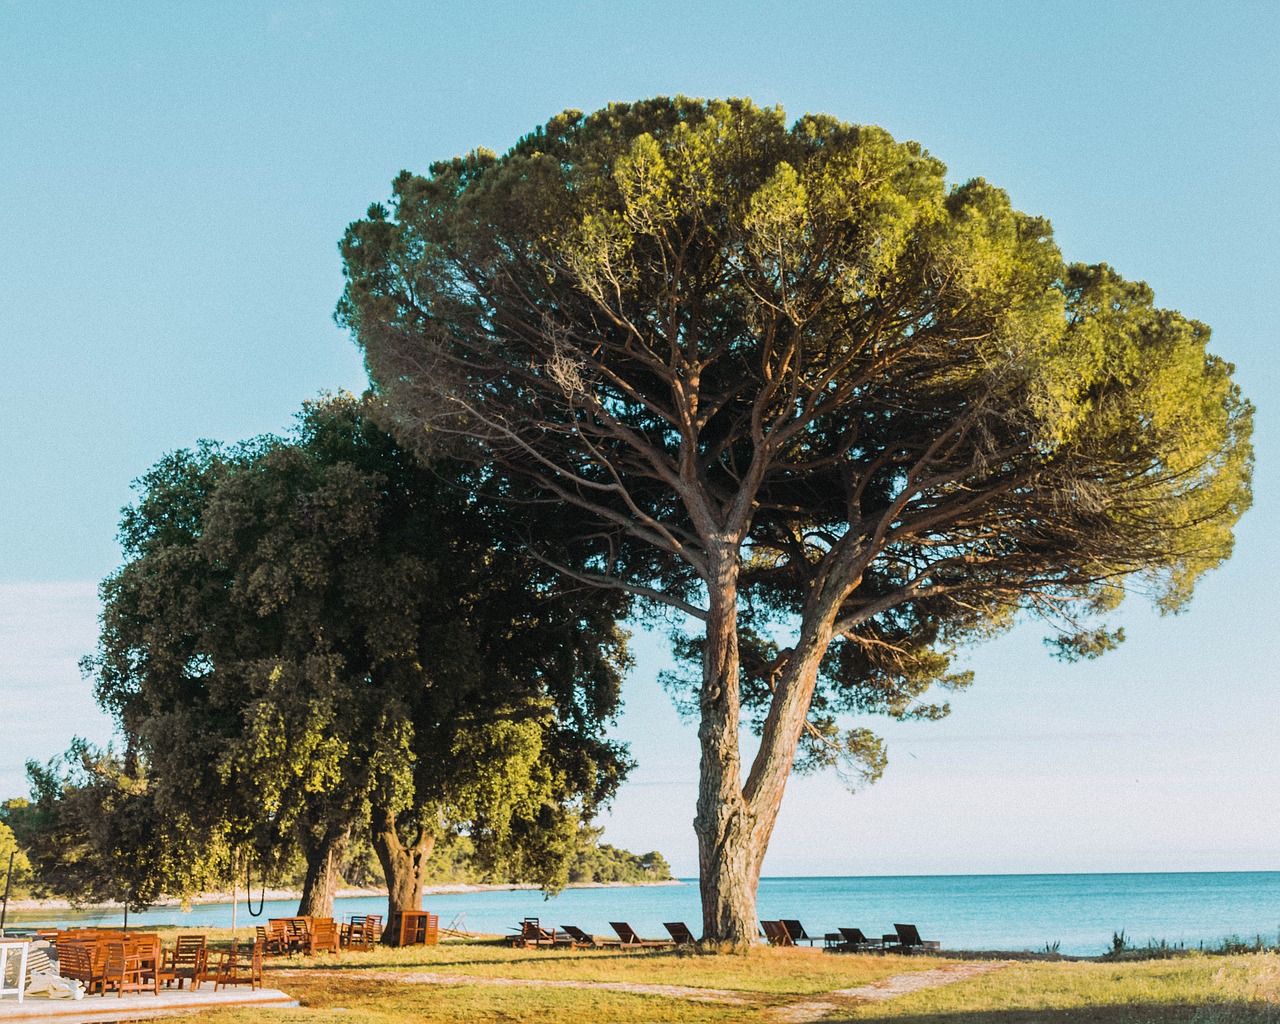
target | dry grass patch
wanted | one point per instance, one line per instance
(1191, 990)
(358, 1001)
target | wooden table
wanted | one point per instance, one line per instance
(7, 947)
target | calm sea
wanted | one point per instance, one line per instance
(1011, 912)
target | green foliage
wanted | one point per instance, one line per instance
(311, 627)
(94, 833)
(605, 863)
(19, 885)
(20, 816)
(888, 403)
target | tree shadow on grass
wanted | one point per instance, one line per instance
(482, 957)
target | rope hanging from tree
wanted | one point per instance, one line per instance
(248, 889)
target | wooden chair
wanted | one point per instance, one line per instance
(151, 956)
(186, 960)
(208, 967)
(908, 941)
(680, 934)
(123, 971)
(776, 933)
(322, 936)
(276, 938)
(75, 960)
(798, 935)
(240, 966)
(362, 932)
(630, 940)
(299, 933)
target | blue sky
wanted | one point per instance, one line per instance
(173, 182)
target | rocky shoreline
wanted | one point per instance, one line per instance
(294, 894)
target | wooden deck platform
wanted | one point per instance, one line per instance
(134, 1006)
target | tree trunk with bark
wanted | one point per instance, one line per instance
(724, 823)
(403, 864)
(321, 883)
(735, 819)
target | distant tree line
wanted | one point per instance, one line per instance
(69, 863)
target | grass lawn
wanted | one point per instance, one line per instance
(1199, 989)
(799, 971)
(473, 982)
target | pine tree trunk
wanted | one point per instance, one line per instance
(735, 820)
(403, 865)
(321, 883)
(724, 824)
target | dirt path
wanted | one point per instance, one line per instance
(885, 988)
(804, 1012)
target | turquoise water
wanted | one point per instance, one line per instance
(962, 911)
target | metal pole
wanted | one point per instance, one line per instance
(8, 881)
(235, 892)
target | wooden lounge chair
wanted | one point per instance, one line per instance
(798, 935)
(630, 940)
(277, 938)
(533, 936)
(581, 940)
(850, 940)
(908, 941)
(680, 934)
(777, 934)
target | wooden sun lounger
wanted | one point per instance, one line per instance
(680, 934)
(908, 941)
(630, 940)
(777, 934)
(798, 935)
(581, 940)
(533, 935)
(850, 940)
